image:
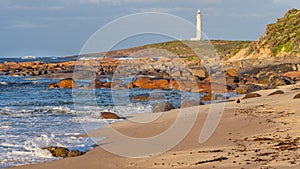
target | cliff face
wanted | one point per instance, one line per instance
(280, 39)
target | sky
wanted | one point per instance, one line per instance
(62, 27)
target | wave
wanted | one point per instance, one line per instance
(27, 57)
(90, 58)
(3, 83)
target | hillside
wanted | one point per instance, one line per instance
(183, 49)
(280, 39)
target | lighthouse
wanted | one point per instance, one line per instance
(199, 27)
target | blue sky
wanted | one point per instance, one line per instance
(61, 27)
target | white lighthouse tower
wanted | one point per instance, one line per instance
(199, 27)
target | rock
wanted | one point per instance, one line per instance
(297, 96)
(68, 83)
(58, 151)
(244, 89)
(53, 86)
(63, 152)
(209, 97)
(109, 115)
(232, 72)
(150, 83)
(74, 153)
(190, 103)
(252, 95)
(292, 74)
(162, 107)
(199, 72)
(280, 81)
(276, 93)
(141, 98)
(146, 97)
(97, 84)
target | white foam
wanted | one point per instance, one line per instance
(3, 83)
(28, 57)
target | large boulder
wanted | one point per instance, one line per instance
(162, 107)
(68, 83)
(150, 83)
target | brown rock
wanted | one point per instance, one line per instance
(199, 72)
(276, 93)
(74, 153)
(252, 95)
(58, 151)
(190, 103)
(162, 107)
(149, 83)
(109, 115)
(244, 89)
(98, 84)
(280, 81)
(63, 152)
(297, 96)
(68, 83)
(232, 72)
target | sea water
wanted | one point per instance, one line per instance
(33, 117)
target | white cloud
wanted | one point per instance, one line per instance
(20, 7)
(113, 2)
(162, 10)
(26, 25)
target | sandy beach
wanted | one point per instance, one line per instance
(260, 132)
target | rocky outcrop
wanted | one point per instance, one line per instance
(68, 83)
(163, 107)
(35, 68)
(63, 152)
(181, 85)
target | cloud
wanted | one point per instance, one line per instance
(112, 2)
(20, 7)
(162, 10)
(26, 25)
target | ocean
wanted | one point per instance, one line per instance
(33, 117)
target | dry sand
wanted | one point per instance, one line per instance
(257, 133)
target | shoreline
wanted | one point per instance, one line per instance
(258, 132)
